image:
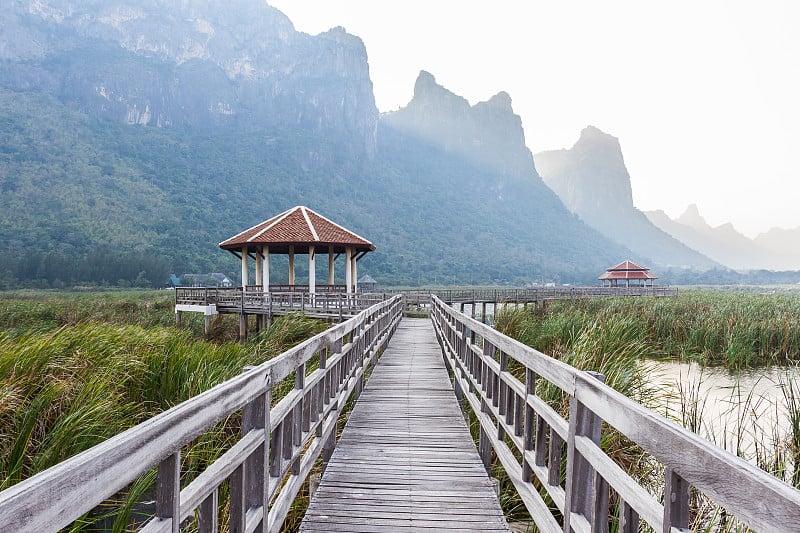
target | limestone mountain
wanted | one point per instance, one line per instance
(489, 133)
(136, 135)
(775, 250)
(593, 182)
(213, 64)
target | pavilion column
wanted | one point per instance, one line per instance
(312, 270)
(355, 272)
(348, 269)
(244, 266)
(258, 265)
(330, 265)
(291, 265)
(265, 269)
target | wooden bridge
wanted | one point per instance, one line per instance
(331, 302)
(405, 460)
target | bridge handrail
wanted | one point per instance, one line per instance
(534, 293)
(510, 410)
(278, 448)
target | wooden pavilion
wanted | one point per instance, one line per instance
(302, 231)
(627, 272)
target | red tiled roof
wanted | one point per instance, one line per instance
(630, 274)
(626, 265)
(627, 270)
(298, 226)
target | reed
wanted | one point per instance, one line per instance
(82, 368)
(732, 329)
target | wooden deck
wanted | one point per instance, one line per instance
(406, 461)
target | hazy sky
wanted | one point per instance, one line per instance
(703, 95)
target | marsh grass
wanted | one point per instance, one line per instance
(621, 338)
(78, 369)
(736, 330)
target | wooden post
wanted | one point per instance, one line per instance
(207, 325)
(168, 490)
(330, 265)
(312, 270)
(208, 514)
(530, 390)
(348, 269)
(259, 264)
(265, 270)
(676, 501)
(355, 271)
(244, 269)
(242, 326)
(580, 474)
(255, 416)
(178, 319)
(291, 266)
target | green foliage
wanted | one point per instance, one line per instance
(91, 202)
(78, 369)
(734, 329)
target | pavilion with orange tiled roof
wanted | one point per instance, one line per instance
(298, 230)
(627, 271)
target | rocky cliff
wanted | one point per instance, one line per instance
(775, 250)
(593, 182)
(488, 133)
(190, 64)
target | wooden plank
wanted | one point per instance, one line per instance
(405, 460)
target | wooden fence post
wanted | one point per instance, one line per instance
(168, 490)
(676, 501)
(580, 474)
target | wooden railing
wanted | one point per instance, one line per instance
(534, 293)
(530, 439)
(266, 467)
(255, 300)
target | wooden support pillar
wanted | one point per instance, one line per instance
(483, 312)
(207, 325)
(312, 270)
(348, 269)
(244, 267)
(291, 265)
(330, 265)
(355, 271)
(258, 266)
(265, 269)
(178, 318)
(242, 327)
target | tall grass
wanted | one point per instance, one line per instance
(736, 330)
(78, 369)
(621, 337)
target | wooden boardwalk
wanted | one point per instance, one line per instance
(406, 460)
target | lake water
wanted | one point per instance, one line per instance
(744, 410)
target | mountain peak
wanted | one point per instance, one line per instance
(488, 132)
(692, 218)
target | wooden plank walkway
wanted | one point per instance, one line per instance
(406, 461)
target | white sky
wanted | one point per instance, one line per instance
(703, 95)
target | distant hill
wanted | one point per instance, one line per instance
(135, 136)
(592, 181)
(774, 250)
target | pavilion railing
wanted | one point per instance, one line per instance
(538, 448)
(265, 468)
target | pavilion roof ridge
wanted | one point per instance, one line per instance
(276, 219)
(308, 221)
(329, 221)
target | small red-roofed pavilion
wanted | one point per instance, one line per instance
(298, 230)
(627, 272)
